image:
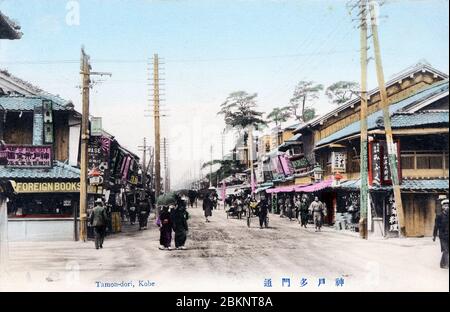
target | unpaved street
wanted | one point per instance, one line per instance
(226, 255)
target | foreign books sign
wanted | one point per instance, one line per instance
(50, 187)
(26, 156)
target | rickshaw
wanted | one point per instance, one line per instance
(235, 210)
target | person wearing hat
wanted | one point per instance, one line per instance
(98, 220)
(441, 230)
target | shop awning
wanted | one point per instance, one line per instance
(419, 185)
(281, 189)
(314, 187)
(262, 188)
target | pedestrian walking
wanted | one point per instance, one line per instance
(263, 210)
(98, 220)
(441, 230)
(297, 204)
(289, 207)
(192, 198)
(144, 211)
(165, 227)
(316, 208)
(281, 206)
(180, 225)
(207, 207)
(304, 213)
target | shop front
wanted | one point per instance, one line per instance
(43, 210)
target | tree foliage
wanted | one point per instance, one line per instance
(342, 91)
(279, 115)
(239, 111)
(227, 167)
(304, 95)
(309, 114)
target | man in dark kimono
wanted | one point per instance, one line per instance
(179, 224)
(263, 210)
(144, 211)
(165, 227)
(192, 197)
(207, 207)
(441, 230)
(304, 213)
(98, 220)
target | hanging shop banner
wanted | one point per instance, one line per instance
(259, 172)
(286, 164)
(277, 169)
(338, 161)
(26, 156)
(98, 156)
(379, 170)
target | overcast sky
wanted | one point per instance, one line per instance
(210, 48)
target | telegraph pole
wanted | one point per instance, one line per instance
(210, 166)
(364, 193)
(85, 71)
(250, 157)
(156, 116)
(392, 148)
(144, 149)
(166, 181)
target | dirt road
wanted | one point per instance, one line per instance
(226, 255)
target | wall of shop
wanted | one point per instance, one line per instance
(40, 229)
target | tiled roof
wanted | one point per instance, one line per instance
(419, 119)
(294, 138)
(404, 121)
(59, 171)
(407, 184)
(419, 67)
(28, 103)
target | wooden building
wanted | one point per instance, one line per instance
(419, 110)
(40, 155)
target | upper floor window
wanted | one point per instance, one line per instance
(424, 160)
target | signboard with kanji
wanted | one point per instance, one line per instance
(26, 156)
(338, 161)
(379, 170)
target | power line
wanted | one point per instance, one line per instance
(193, 60)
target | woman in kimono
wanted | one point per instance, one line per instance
(165, 227)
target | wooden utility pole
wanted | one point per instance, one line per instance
(250, 157)
(210, 166)
(166, 180)
(392, 149)
(144, 150)
(85, 70)
(364, 193)
(156, 116)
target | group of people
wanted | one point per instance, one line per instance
(237, 204)
(297, 208)
(242, 204)
(173, 218)
(142, 212)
